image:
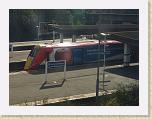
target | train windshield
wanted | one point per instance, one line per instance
(34, 51)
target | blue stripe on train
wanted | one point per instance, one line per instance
(90, 53)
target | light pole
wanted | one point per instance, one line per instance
(38, 32)
(103, 36)
(98, 67)
(104, 58)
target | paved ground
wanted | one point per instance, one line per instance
(24, 87)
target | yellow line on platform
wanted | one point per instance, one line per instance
(46, 101)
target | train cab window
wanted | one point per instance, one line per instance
(34, 52)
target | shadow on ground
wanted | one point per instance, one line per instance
(130, 72)
(47, 85)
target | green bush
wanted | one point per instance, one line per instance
(125, 96)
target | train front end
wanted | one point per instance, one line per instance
(37, 55)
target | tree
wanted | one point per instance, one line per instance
(22, 24)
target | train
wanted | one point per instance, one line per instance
(75, 53)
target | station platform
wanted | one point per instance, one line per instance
(30, 87)
(18, 56)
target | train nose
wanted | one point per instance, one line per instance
(28, 63)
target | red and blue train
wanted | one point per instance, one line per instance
(75, 53)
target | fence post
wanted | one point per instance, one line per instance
(73, 38)
(11, 47)
(53, 36)
(126, 55)
(61, 37)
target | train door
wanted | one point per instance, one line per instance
(77, 56)
(91, 53)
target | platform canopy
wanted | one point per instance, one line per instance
(130, 37)
(94, 29)
(127, 33)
